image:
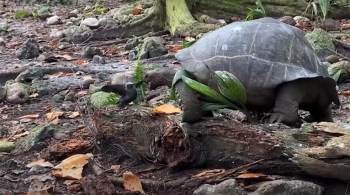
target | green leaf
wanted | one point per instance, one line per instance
(205, 90)
(325, 6)
(337, 75)
(231, 87)
(213, 106)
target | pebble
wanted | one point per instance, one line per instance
(53, 20)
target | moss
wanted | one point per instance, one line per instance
(6, 146)
(103, 99)
(320, 40)
(22, 14)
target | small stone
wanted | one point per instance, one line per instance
(288, 20)
(56, 34)
(29, 50)
(98, 59)
(228, 187)
(17, 93)
(132, 55)
(4, 26)
(87, 81)
(330, 25)
(90, 22)
(2, 42)
(333, 59)
(70, 96)
(89, 52)
(132, 43)
(73, 13)
(160, 77)
(285, 187)
(152, 47)
(53, 20)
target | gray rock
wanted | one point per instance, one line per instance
(98, 59)
(4, 26)
(56, 34)
(17, 93)
(90, 22)
(89, 52)
(35, 139)
(77, 34)
(122, 78)
(132, 43)
(132, 55)
(29, 50)
(152, 47)
(73, 13)
(285, 187)
(160, 77)
(299, 19)
(2, 42)
(228, 187)
(53, 20)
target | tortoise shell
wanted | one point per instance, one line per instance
(262, 53)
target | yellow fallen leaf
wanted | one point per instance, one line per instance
(72, 167)
(250, 176)
(132, 182)
(54, 115)
(29, 116)
(74, 115)
(166, 109)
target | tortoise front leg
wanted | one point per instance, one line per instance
(191, 104)
(286, 106)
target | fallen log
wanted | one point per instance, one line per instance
(226, 143)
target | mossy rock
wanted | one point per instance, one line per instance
(6, 146)
(320, 41)
(103, 99)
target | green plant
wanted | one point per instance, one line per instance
(139, 78)
(318, 7)
(231, 92)
(259, 11)
(21, 14)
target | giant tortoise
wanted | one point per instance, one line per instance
(274, 62)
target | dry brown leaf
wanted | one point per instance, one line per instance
(74, 115)
(166, 109)
(72, 167)
(40, 163)
(138, 9)
(65, 56)
(345, 93)
(115, 168)
(132, 182)
(175, 48)
(19, 135)
(54, 115)
(34, 95)
(80, 62)
(29, 116)
(209, 173)
(251, 176)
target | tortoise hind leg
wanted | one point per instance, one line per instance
(286, 105)
(191, 104)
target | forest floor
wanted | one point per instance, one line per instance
(79, 133)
